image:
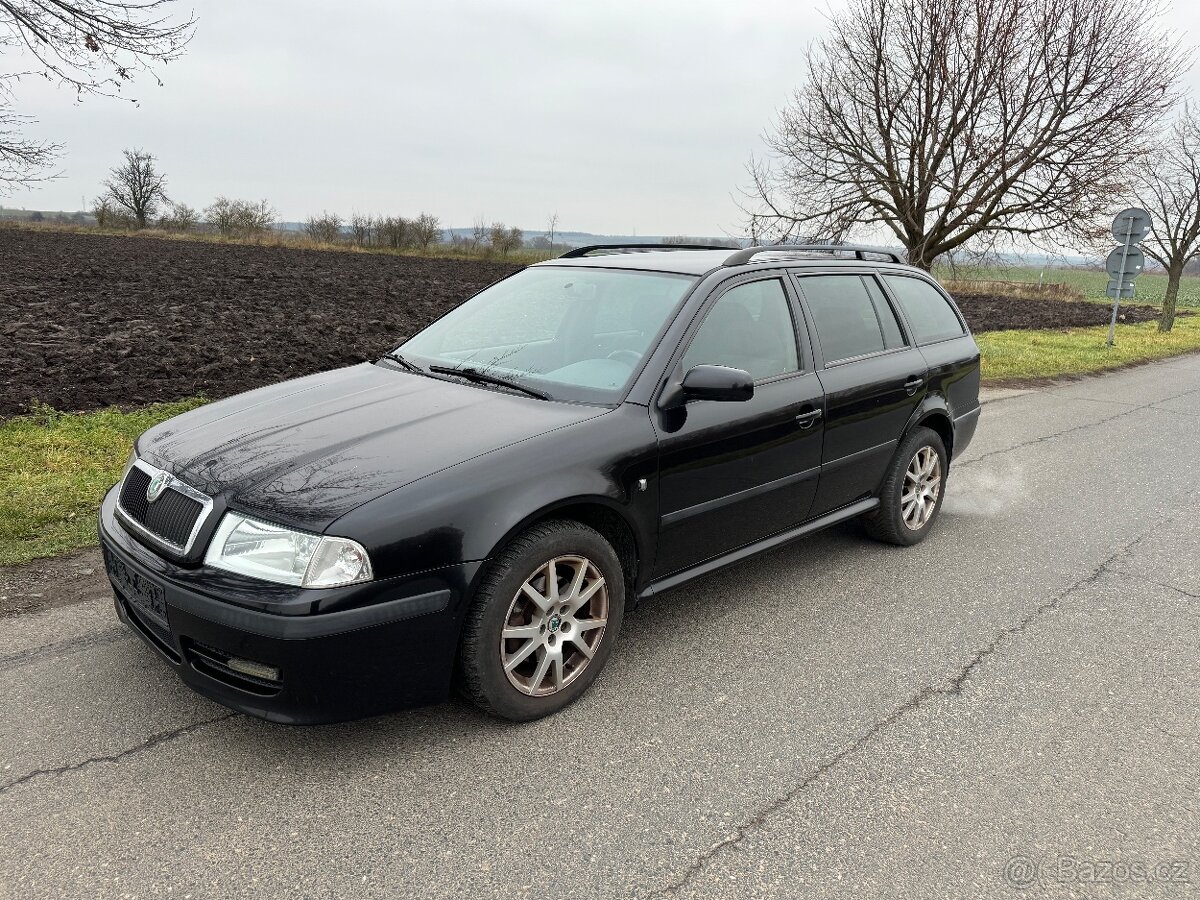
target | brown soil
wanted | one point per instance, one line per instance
(92, 320)
(89, 320)
(48, 583)
(992, 312)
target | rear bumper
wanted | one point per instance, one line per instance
(395, 651)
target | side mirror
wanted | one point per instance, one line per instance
(717, 383)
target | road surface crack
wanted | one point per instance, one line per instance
(162, 737)
(952, 688)
(1133, 576)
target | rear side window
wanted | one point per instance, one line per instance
(851, 315)
(929, 314)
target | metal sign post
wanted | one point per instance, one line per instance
(1126, 262)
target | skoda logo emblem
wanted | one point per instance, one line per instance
(158, 484)
(554, 624)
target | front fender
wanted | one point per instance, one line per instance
(466, 512)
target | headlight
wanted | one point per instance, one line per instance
(129, 463)
(274, 553)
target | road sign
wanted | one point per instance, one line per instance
(1133, 223)
(1125, 264)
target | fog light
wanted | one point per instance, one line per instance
(253, 669)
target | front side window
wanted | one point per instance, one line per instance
(851, 315)
(575, 333)
(930, 315)
(750, 328)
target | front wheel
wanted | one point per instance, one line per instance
(912, 492)
(543, 621)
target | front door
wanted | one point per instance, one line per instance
(873, 377)
(731, 473)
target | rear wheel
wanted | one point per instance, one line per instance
(912, 492)
(543, 621)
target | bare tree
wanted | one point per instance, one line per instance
(479, 233)
(426, 230)
(22, 160)
(136, 185)
(1169, 189)
(93, 46)
(552, 227)
(954, 121)
(325, 228)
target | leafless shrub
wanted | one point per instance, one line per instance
(181, 217)
(325, 228)
(955, 121)
(362, 230)
(239, 218)
(504, 240)
(426, 230)
(479, 234)
(102, 212)
(395, 232)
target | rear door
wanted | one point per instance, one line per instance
(873, 377)
(731, 473)
(950, 352)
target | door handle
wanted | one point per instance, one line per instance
(807, 419)
(914, 382)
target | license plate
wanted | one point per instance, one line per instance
(148, 597)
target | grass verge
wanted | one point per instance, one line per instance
(1014, 356)
(55, 467)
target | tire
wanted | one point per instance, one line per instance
(506, 676)
(895, 522)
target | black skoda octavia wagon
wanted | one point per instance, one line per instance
(477, 509)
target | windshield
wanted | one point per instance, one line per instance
(573, 333)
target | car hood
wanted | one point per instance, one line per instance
(307, 451)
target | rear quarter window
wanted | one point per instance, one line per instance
(929, 314)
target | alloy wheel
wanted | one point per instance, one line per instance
(922, 486)
(554, 625)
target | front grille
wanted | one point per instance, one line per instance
(170, 518)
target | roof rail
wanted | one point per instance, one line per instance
(860, 252)
(634, 248)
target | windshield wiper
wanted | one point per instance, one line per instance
(484, 378)
(411, 366)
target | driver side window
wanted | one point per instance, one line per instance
(750, 327)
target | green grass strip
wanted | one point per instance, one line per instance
(1018, 355)
(54, 470)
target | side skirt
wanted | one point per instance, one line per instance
(768, 543)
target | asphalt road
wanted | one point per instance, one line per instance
(1010, 708)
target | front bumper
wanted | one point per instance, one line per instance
(387, 645)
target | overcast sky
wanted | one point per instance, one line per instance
(621, 116)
